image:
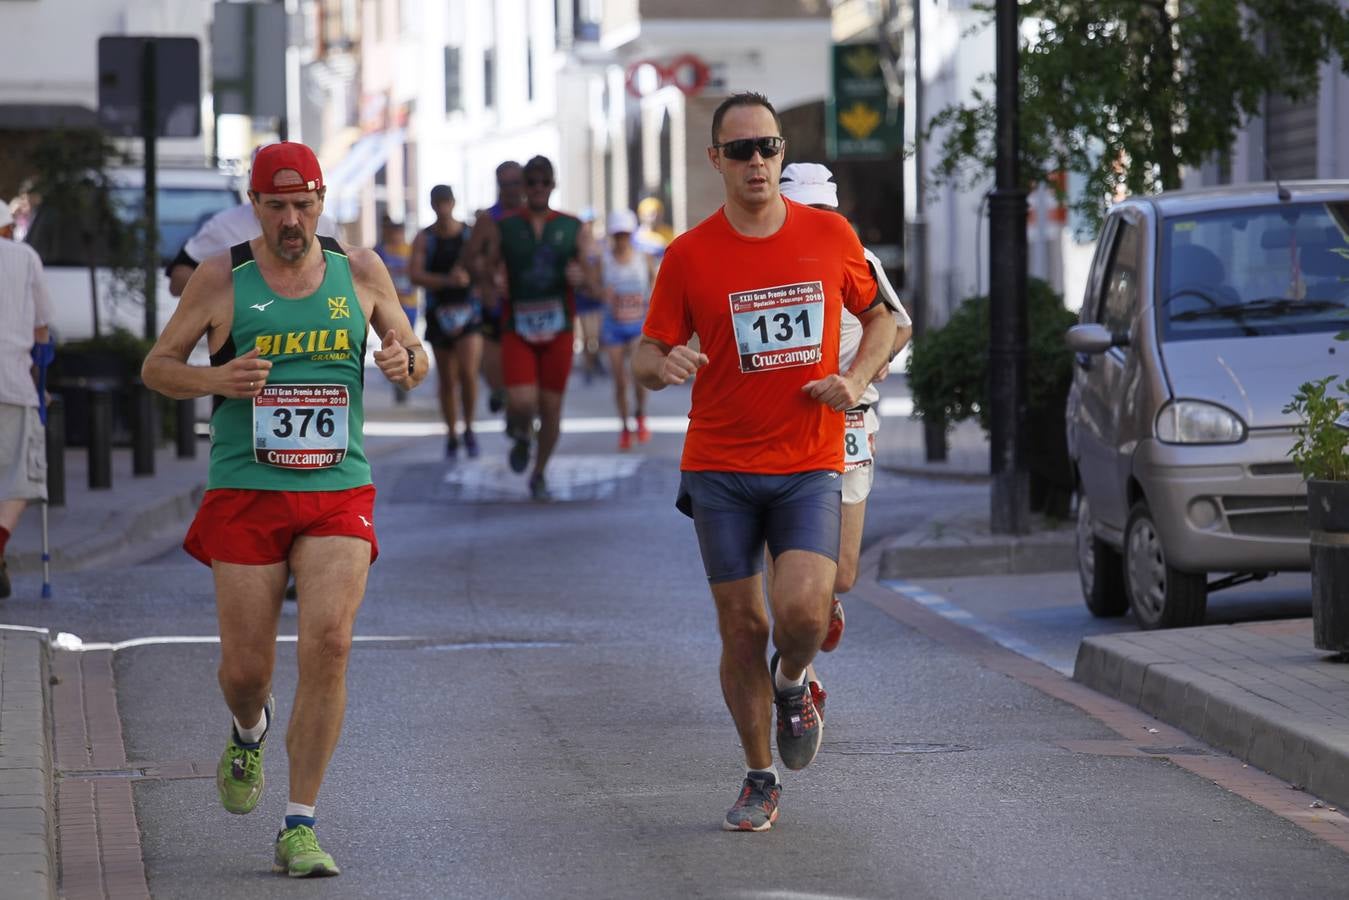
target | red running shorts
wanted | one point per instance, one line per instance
(257, 528)
(546, 365)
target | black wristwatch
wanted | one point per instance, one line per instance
(412, 360)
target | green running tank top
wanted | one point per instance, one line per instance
(539, 304)
(304, 431)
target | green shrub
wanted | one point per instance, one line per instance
(949, 377)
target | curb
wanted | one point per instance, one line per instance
(919, 555)
(27, 829)
(1260, 732)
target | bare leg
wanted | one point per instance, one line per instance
(743, 623)
(469, 358)
(522, 406)
(621, 377)
(248, 605)
(445, 375)
(803, 586)
(639, 392)
(849, 546)
(10, 510)
(550, 426)
(330, 574)
(491, 366)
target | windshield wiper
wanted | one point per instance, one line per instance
(1266, 307)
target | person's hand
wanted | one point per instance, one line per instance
(575, 273)
(392, 358)
(882, 373)
(459, 277)
(680, 364)
(838, 392)
(243, 376)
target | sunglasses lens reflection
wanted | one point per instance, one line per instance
(743, 149)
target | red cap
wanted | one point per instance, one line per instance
(273, 160)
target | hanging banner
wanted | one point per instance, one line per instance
(862, 122)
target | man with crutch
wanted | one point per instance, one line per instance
(24, 312)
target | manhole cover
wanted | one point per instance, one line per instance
(888, 748)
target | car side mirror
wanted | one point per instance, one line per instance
(1093, 338)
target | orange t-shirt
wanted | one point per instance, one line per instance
(767, 314)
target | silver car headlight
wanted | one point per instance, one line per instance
(1197, 422)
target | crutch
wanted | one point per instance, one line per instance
(43, 354)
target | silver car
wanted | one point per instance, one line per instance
(1204, 312)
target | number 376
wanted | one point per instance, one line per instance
(285, 422)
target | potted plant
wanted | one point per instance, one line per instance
(948, 374)
(1321, 454)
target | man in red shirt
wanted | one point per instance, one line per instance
(763, 282)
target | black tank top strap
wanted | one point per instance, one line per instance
(240, 254)
(331, 245)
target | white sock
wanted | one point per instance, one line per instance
(299, 809)
(782, 682)
(771, 770)
(254, 734)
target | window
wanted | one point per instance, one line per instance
(1120, 300)
(489, 77)
(454, 98)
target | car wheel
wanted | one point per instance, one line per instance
(1159, 595)
(1100, 568)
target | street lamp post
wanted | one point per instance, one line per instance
(1010, 500)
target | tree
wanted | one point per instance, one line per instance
(1127, 92)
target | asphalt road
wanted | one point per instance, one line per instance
(543, 719)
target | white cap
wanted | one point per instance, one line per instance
(6, 217)
(621, 221)
(809, 183)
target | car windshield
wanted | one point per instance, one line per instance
(1271, 270)
(181, 211)
(61, 239)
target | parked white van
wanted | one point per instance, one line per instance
(186, 198)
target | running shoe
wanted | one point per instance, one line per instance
(818, 695)
(835, 632)
(496, 401)
(757, 807)
(299, 855)
(5, 588)
(643, 433)
(238, 777)
(471, 444)
(538, 488)
(799, 724)
(519, 455)
(625, 440)
(452, 450)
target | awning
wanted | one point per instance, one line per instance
(366, 157)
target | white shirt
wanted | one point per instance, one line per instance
(24, 306)
(234, 226)
(850, 335)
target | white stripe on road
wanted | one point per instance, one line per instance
(894, 406)
(71, 642)
(948, 610)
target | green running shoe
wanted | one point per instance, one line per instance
(299, 855)
(238, 778)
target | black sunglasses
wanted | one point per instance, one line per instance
(539, 182)
(743, 149)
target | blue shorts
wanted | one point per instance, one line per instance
(614, 334)
(735, 513)
(587, 303)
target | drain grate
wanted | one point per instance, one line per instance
(888, 748)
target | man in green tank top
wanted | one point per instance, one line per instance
(289, 490)
(545, 254)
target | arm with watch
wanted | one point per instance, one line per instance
(400, 356)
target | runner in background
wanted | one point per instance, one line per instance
(625, 285)
(489, 287)
(394, 249)
(590, 311)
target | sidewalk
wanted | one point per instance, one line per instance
(1260, 691)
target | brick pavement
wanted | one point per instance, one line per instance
(27, 858)
(1260, 691)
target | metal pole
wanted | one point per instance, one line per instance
(934, 433)
(142, 430)
(149, 126)
(185, 428)
(1010, 499)
(56, 451)
(100, 438)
